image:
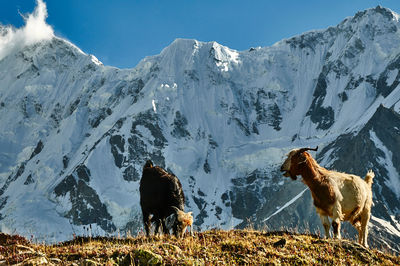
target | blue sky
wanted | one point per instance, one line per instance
(122, 32)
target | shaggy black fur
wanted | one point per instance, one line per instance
(159, 191)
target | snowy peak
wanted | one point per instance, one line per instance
(378, 13)
(53, 55)
(372, 22)
(189, 54)
(181, 45)
(35, 30)
(49, 67)
(60, 49)
(364, 26)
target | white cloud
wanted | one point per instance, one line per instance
(34, 30)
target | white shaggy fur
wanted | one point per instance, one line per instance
(341, 196)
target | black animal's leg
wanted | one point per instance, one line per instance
(146, 222)
(158, 223)
(176, 229)
(165, 228)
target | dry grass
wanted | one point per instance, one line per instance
(214, 247)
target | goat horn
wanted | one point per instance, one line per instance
(308, 149)
(175, 208)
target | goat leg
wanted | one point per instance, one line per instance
(326, 224)
(336, 229)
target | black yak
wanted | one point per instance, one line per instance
(161, 196)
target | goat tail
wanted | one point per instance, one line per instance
(369, 177)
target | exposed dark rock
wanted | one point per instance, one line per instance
(201, 193)
(37, 150)
(385, 12)
(38, 108)
(149, 121)
(65, 161)
(3, 202)
(354, 83)
(324, 117)
(242, 126)
(213, 144)
(137, 147)
(64, 186)
(192, 74)
(101, 115)
(255, 129)
(117, 143)
(179, 126)
(29, 180)
(343, 96)
(247, 195)
(12, 178)
(24, 108)
(382, 87)
(218, 210)
(87, 207)
(74, 105)
(276, 117)
(201, 205)
(266, 109)
(225, 199)
(56, 115)
(32, 70)
(83, 173)
(206, 167)
(130, 174)
(307, 41)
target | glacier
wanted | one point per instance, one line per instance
(74, 133)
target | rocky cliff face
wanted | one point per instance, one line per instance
(74, 134)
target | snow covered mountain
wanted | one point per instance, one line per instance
(74, 134)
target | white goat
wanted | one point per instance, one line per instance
(341, 196)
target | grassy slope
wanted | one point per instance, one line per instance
(210, 247)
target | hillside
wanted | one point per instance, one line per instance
(209, 247)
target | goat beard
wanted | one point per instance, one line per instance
(293, 177)
(289, 174)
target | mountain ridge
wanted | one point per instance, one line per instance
(75, 133)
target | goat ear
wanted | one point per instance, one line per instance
(302, 161)
(148, 163)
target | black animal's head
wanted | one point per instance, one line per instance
(295, 157)
(181, 220)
